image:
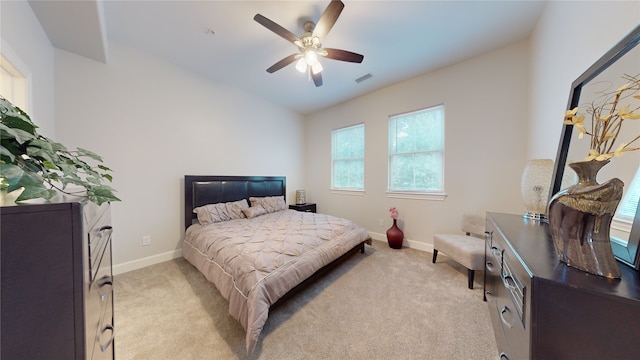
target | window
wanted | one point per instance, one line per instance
(416, 151)
(623, 219)
(13, 84)
(627, 208)
(347, 157)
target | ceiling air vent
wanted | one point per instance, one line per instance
(363, 78)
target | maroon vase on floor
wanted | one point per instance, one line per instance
(395, 236)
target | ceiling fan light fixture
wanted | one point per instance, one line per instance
(311, 57)
(301, 65)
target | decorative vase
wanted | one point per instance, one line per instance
(580, 220)
(395, 236)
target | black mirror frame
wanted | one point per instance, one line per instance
(626, 254)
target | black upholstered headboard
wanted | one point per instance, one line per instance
(206, 189)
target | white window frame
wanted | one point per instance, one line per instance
(438, 194)
(15, 78)
(334, 132)
(625, 214)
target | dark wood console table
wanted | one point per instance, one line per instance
(542, 309)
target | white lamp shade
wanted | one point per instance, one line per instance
(535, 184)
(301, 65)
(301, 197)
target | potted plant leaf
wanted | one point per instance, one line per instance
(43, 168)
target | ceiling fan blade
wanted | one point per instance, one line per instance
(282, 63)
(284, 33)
(317, 79)
(328, 19)
(343, 55)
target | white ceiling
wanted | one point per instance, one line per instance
(399, 39)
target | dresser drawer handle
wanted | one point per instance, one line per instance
(503, 356)
(102, 282)
(510, 282)
(489, 295)
(489, 266)
(505, 310)
(497, 253)
(105, 230)
(105, 346)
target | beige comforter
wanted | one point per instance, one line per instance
(254, 262)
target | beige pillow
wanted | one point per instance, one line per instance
(269, 203)
(234, 209)
(254, 211)
(213, 213)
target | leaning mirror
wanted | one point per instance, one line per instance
(605, 76)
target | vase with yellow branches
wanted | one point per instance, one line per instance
(580, 216)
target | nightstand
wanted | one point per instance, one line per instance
(308, 207)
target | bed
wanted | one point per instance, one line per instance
(240, 234)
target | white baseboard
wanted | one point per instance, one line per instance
(413, 244)
(144, 262)
(156, 259)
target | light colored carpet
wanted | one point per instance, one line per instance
(384, 304)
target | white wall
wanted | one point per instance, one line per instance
(154, 123)
(485, 102)
(26, 43)
(569, 37)
(526, 104)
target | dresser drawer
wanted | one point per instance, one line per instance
(98, 237)
(100, 309)
(99, 332)
(94, 214)
(104, 334)
(512, 326)
(507, 287)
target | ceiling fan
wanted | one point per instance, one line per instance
(310, 43)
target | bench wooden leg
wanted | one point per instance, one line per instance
(471, 273)
(435, 255)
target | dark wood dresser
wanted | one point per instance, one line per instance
(542, 309)
(57, 297)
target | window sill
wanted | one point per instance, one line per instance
(417, 196)
(347, 192)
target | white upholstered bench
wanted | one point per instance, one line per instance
(467, 250)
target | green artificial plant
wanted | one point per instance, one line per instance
(43, 167)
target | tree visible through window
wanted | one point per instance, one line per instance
(416, 151)
(347, 157)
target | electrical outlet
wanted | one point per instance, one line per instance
(146, 240)
(381, 222)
